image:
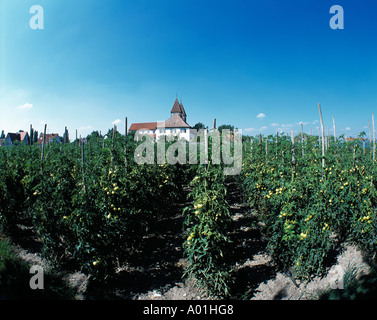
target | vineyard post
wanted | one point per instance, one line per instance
(333, 123)
(323, 136)
(214, 123)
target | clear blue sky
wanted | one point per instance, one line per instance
(99, 61)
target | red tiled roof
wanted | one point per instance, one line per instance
(145, 126)
(175, 121)
(353, 139)
(49, 136)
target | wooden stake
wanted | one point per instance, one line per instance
(302, 140)
(31, 135)
(112, 147)
(277, 137)
(374, 139)
(293, 155)
(126, 127)
(327, 138)
(323, 136)
(125, 145)
(83, 166)
(333, 123)
(251, 147)
(214, 123)
(266, 149)
(206, 148)
(43, 148)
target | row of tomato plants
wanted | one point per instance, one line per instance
(207, 245)
(307, 210)
(93, 213)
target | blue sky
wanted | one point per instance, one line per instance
(259, 65)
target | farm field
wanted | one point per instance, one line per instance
(114, 229)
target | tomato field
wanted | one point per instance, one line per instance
(92, 207)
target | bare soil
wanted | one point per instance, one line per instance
(157, 273)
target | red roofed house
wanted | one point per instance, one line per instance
(145, 128)
(176, 125)
(20, 136)
(50, 137)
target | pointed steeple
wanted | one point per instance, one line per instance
(176, 107)
(183, 112)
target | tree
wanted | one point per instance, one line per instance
(2, 136)
(35, 138)
(362, 134)
(66, 136)
(199, 126)
(93, 136)
(226, 126)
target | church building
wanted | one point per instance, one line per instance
(175, 126)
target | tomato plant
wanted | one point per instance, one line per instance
(207, 243)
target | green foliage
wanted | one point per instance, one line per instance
(307, 210)
(15, 277)
(93, 210)
(225, 126)
(207, 244)
(92, 213)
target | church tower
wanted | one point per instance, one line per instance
(178, 109)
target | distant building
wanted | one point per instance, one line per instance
(175, 126)
(145, 128)
(50, 137)
(18, 137)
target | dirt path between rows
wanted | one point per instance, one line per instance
(156, 274)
